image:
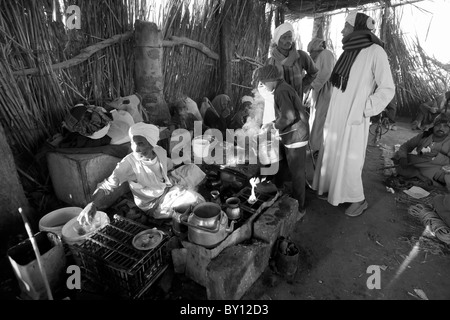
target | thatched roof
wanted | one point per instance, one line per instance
(297, 9)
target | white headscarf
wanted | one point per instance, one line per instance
(148, 131)
(247, 99)
(351, 17)
(280, 30)
(316, 44)
(368, 21)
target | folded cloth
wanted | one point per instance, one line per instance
(173, 198)
(122, 121)
(188, 175)
(90, 121)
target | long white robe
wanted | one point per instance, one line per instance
(370, 88)
(320, 99)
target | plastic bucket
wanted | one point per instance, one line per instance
(71, 231)
(26, 268)
(55, 220)
(200, 147)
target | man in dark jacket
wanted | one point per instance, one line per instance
(432, 154)
(293, 131)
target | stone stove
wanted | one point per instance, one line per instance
(241, 257)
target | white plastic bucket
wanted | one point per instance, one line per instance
(55, 220)
(200, 147)
(70, 231)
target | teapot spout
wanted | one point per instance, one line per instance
(230, 229)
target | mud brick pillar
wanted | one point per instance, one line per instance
(149, 78)
(277, 221)
(235, 269)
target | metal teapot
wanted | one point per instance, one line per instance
(207, 224)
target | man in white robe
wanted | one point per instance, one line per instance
(156, 188)
(362, 87)
(321, 92)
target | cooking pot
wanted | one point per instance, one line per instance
(233, 208)
(207, 224)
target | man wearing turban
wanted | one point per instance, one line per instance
(291, 62)
(147, 170)
(362, 87)
(433, 153)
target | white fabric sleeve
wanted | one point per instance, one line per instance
(325, 64)
(123, 172)
(385, 87)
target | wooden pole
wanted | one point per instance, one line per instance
(38, 254)
(149, 78)
(225, 54)
(384, 20)
(318, 27)
(321, 27)
(279, 16)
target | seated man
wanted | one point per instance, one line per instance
(433, 152)
(155, 189)
(429, 110)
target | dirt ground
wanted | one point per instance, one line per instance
(336, 251)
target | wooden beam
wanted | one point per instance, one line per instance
(225, 54)
(89, 51)
(83, 56)
(340, 11)
(191, 43)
